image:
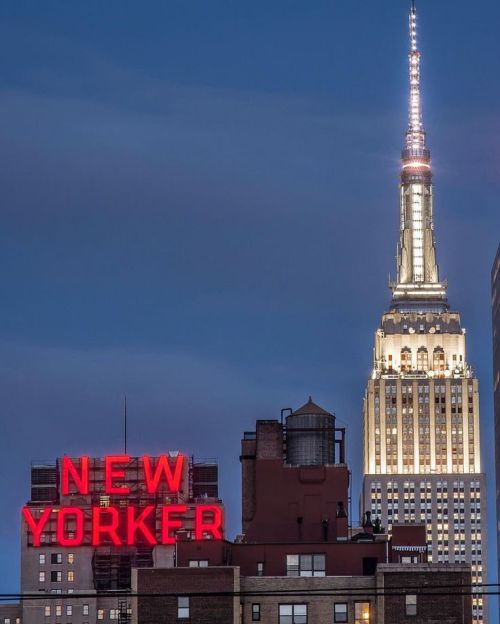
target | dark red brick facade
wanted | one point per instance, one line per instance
(206, 609)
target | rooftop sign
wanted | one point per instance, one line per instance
(121, 524)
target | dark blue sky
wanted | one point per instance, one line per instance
(199, 208)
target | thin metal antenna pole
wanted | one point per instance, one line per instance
(125, 424)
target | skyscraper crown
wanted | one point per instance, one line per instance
(417, 285)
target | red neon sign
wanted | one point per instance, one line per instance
(169, 524)
(108, 525)
(62, 534)
(167, 470)
(102, 526)
(135, 522)
(208, 519)
(119, 523)
(113, 473)
(35, 527)
(81, 479)
(173, 478)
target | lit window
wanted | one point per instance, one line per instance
(256, 612)
(361, 613)
(56, 558)
(293, 614)
(104, 500)
(305, 565)
(113, 614)
(47, 611)
(71, 576)
(260, 568)
(71, 558)
(340, 612)
(198, 563)
(41, 577)
(411, 604)
(438, 359)
(422, 359)
(405, 359)
(58, 610)
(69, 610)
(100, 614)
(85, 609)
(56, 576)
(183, 607)
(41, 559)
(409, 558)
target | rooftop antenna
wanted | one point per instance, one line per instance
(125, 423)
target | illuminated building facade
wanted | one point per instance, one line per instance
(89, 521)
(421, 409)
(495, 309)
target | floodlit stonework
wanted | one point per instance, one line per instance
(422, 459)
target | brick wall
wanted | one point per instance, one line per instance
(434, 607)
(205, 609)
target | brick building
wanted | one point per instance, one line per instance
(76, 557)
(10, 613)
(298, 561)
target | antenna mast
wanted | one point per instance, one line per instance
(125, 424)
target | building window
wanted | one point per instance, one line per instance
(293, 614)
(405, 360)
(340, 612)
(71, 576)
(56, 576)
(104, 500)
(183, 607)
(41, 577)
(69, 610)
(85, 609)
(41, 559)
(198, 563)
(305, 565)
(100, 614)
(422, 359)
(58, 610)
(362, 613)
(409, 558)
(71, 558)
(411, 604)
(438, 359)
(56, 558)
(114, 614)
(47, 611)
(260, 568)
(256, 612)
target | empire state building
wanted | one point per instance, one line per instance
(421, 408)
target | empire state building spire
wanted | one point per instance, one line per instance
(417, 284)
